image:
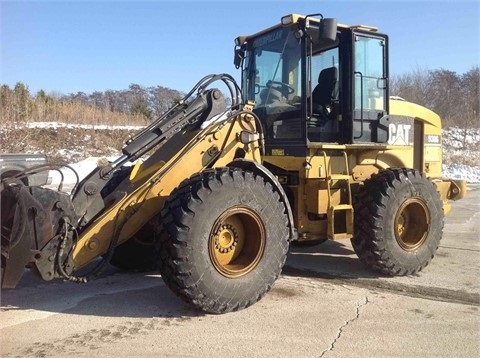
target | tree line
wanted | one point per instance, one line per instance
(455, 97)
(150, 102)
(135, 105)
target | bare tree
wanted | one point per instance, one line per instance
(161, 99)
(413, 86)
(446, 95)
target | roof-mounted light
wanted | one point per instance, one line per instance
(287, 20)
(240, 40)
(364, 28)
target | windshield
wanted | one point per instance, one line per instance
(273, 62)
(272, 78)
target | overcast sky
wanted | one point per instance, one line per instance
(71, 46)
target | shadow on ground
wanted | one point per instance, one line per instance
(121, 294)
(330, 259)
(115, 294)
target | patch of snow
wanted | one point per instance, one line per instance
(82, 169)
(459, 138)
(462, 172)
(82, 126)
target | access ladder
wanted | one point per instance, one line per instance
(344, 205)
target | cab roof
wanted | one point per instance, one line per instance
(291, 19)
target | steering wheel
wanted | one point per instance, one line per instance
(285, 88)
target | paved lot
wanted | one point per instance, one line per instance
(324, 305)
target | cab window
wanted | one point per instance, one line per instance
(274, 70)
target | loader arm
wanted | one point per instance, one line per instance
(140, 198)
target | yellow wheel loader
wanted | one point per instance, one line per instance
(311, 148)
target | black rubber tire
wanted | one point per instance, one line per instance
(398, 222)
(137, 254)
(207, 202)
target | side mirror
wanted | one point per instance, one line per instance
(238, 57)
(328, 30)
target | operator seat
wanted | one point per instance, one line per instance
(323, 94)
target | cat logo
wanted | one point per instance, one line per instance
(398, 134)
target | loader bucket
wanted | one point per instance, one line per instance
(22, 220)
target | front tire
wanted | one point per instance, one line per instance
(227, 239)
(398, 222)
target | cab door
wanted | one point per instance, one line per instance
(370, 87)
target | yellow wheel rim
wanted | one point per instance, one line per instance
(237, 242)
(412, 223)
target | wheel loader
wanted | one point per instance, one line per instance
(310, 147)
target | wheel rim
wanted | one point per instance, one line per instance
(412, 223)
(237, 242)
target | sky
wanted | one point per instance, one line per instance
(85, 46)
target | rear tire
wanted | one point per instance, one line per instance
(227, 239)
(398, 222)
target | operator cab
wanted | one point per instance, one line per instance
(314, 81)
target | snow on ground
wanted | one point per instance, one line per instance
(457, 138)
(460, 171)
(82, 168)
(465, 144)
(82, 126)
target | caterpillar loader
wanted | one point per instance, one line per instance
(311, 147)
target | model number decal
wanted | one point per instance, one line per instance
(432, 139)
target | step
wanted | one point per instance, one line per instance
(341, 207)
(341, 236)
(347, 232)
